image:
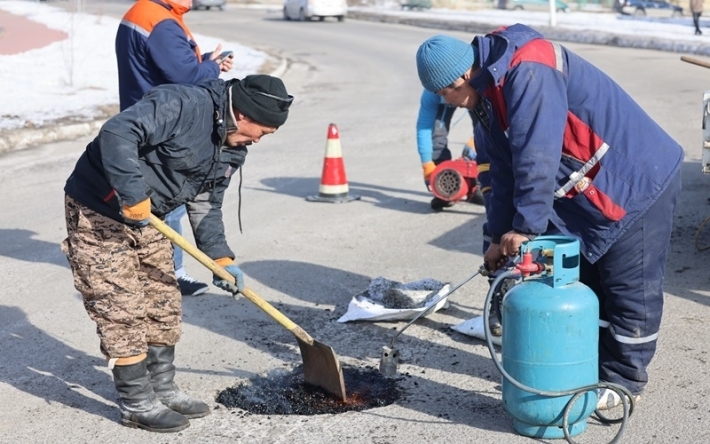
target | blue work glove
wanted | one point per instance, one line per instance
(229, 265)
(468, 153)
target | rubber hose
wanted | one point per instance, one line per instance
(627, 398)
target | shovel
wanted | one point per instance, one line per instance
(390, 355)
(320, 363)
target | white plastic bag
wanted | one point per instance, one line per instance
(474, 327)
(386, 300)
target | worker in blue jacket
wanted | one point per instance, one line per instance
(155, 47)
(433, 125)
(570, 152)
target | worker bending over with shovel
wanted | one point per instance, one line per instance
(570, 152)
(180, 144)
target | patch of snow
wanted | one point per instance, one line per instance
(76, 76)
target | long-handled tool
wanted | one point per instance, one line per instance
(321, 366)
(390, 355)
(698, 62)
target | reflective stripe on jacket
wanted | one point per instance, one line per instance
(155, 47)
(567, 145)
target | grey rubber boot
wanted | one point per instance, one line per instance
(162, 376)
(139, 406)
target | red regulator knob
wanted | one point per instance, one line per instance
(528, 266)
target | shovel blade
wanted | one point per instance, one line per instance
(321, 368)
(389, 361)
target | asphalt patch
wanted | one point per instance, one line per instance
(288, 394)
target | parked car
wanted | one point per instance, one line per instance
(416, 4)
(651, 8)
(532, 5)
(208, 4)
(309, 9)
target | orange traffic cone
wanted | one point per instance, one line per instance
(333, 184)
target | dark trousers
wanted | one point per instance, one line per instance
(439, 155)
(628, 280)
(696, 22)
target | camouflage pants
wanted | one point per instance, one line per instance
(127, 281)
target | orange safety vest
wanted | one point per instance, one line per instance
(146, 14)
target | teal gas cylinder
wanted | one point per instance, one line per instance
(550, 341)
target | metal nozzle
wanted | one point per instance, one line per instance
(389, 361)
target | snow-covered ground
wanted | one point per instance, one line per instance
(74, 77)
(660, 29)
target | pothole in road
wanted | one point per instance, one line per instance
(288, 394)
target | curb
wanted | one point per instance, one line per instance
(14, 140)
(281, 69)
(552, 33)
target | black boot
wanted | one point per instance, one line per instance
(439, 204)
(162, 376)
(477, 197)
(495, 325)
(139, 406)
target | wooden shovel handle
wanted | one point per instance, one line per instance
(702, 63)
(218, 270)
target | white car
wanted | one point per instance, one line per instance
(207, 4)
(309, 9)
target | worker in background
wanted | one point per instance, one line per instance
(179, 145)
(153, 47)
(570, 152)
(433, 124)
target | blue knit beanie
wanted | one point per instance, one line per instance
(442, 59)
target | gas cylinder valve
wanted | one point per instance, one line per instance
(528, 266)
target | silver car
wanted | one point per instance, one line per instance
(208, 4)
(650, 8)
(310, 9)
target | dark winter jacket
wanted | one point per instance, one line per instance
(166, 147)
(154, 47)
(568, 148)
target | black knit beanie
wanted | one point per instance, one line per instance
(250, 95)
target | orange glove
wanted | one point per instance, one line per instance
(137, 214)
(428, 168)
(224, 261)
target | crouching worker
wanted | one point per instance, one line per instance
(433, 125)
(180, 144)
